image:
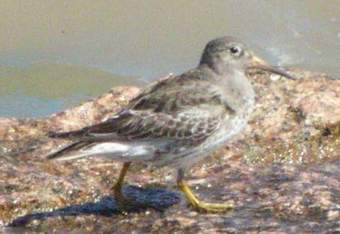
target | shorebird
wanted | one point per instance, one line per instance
(177, 121)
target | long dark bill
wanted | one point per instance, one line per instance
(258, 63)
(272, 69)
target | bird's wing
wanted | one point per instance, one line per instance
(179, 108)
(178, 93)
(195, 125)
(186, 128)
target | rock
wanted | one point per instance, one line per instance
(282, 173)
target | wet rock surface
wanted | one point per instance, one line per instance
(282, 173)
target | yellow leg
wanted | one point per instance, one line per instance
(117, 188)
(195, 202)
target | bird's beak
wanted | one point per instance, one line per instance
(258, 63)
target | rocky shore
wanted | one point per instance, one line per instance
(283, 172)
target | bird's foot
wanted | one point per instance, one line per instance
(212, 207)
(123, 202)
(200, 205)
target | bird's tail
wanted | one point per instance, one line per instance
(120, 151)
(65, 153)
(71, 134)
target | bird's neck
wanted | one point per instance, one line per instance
(237, 89)
(241, 89)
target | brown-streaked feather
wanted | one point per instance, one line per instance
(67, 149)
(189, 114)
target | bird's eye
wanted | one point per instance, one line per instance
(235, 50)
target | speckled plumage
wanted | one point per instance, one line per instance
(178, 120)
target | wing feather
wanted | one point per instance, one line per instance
(185, 108)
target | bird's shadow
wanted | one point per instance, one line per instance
(144, 198)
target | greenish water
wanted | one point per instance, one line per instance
(143, 40)
(42, 89)
(20, 105)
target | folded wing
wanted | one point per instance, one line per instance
(162, 114)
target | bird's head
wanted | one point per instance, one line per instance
(228, 54)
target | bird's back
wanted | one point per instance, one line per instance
(181, 111)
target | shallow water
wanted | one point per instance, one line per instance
(145, 41)
(44, 88)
